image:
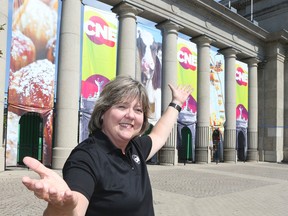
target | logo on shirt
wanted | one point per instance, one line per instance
(136, 158)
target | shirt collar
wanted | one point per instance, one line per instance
(104, 142)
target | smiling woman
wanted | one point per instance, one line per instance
(106, 174)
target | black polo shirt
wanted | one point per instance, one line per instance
(114, 183)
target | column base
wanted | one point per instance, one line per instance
(202, 155)
(168, 156)
(285, 154)
(261, 155)
(252, 155)
(230, 156)
(274, 156)
(60, 156)
(2, 159)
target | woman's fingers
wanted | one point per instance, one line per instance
(181, 92)
(62, 199)
(35, 165)
(55, 197)
(29, 183)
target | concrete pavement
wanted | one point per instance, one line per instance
(225, 189)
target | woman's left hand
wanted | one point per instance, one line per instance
(180, 93)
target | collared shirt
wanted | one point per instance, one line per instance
(114, 183)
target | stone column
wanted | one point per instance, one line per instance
(203, 99)
(252, 154)
(68, 85)
(168, 154)
(261, 111)
(230, 153)
(272, 102)
(285, 148)
(3, 59)
(126, 50)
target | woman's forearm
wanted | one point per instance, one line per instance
(162, 129)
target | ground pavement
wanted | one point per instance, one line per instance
(224, 189)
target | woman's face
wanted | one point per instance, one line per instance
(122, 122)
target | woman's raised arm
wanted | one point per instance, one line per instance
(163, 127)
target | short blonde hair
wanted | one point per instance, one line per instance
(122, 88)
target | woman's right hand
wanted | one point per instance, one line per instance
(52, 188)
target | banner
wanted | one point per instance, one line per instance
(241, 74)
(241, 94)
(149, 65)
(187, 75)
(187, 71)
(98, 60)
(217, 105)
(217, 90)
(32, 80)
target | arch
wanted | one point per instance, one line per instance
(186, 149)
(30, 141)
(241, 147)
(217, 139)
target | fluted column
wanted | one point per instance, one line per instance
(252, 154)
(168, 154)
(3, 59)
(126, 50)
(261, 112)
(203, 99)
(68, 85)
(285, 147)
(230, 153)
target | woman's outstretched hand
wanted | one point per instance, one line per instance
(50, 187)
(180, 93)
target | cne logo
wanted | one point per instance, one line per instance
(241, 77)
(136, 158)
(186, 59)
(99, 32)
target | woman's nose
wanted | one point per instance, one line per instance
(130, 113)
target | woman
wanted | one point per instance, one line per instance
(106, 174)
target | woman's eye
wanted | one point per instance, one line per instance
(139, 110)
(121, 107)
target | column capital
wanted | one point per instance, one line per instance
(229, 52)
(202, 39)
(124, 9)
(252, 61)
(262, 64)
(169, 26)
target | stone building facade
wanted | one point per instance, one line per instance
(256, 34)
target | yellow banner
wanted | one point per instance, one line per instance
(99, 50)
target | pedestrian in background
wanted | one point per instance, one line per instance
(216, 144)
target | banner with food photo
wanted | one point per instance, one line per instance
(149, 65)
(99, 47)
(34, 27)
(187, 75)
